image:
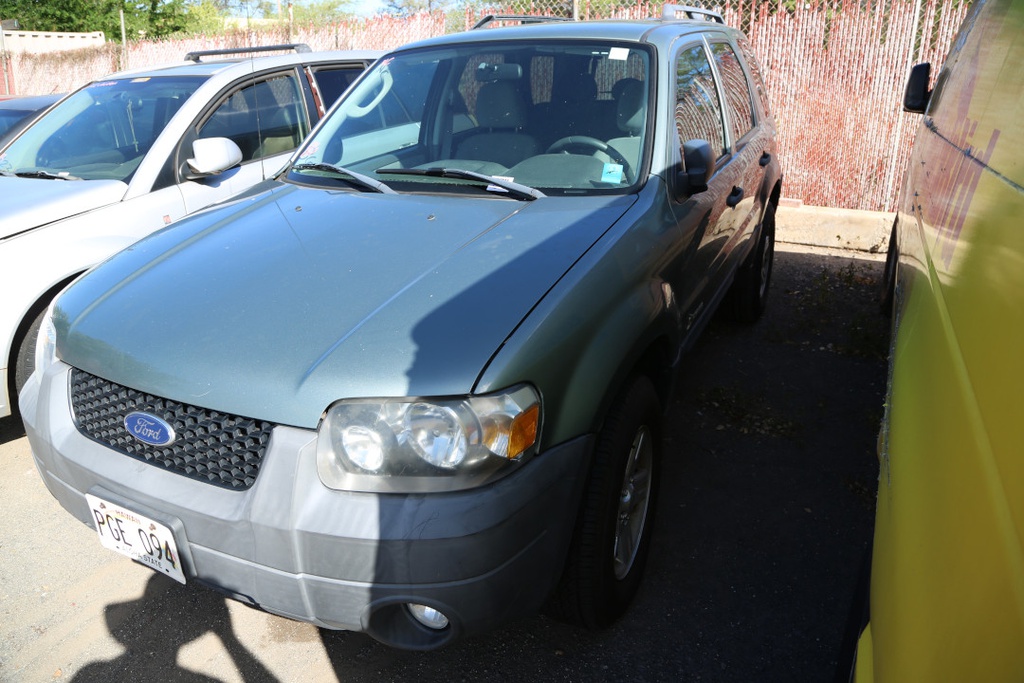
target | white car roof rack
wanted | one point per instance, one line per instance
(198, 54)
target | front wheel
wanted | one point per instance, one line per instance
(613, 532)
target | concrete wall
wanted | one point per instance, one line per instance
(42, 42)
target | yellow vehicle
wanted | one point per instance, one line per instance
(947, 569)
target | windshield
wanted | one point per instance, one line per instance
(101, 131)
(561, 117)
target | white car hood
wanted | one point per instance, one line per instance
(28, 203)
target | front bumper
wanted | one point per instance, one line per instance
(339, 560)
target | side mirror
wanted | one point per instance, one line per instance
(211, 156)
(917, 94)
(699, 165)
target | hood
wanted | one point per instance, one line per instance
(31, 202)
(279, 304)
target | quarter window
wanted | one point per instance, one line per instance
(698, 114)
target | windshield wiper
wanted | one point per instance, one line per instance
(47, 175)
(513, 189)
(363, 181)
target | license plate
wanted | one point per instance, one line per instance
(136, 536)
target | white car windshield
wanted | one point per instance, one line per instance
(564, 117)
(102, 131)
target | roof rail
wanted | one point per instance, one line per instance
(521, 18)
(671, 12)
(198, 54)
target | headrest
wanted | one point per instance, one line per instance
(498, 105)
(630, 112)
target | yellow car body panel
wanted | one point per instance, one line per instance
(947, 576)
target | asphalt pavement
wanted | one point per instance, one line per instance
(765, 513)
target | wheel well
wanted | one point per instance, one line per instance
(26, 321)
(656, 363)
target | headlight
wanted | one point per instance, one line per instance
(418, 445)
(46, 343)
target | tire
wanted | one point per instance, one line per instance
(887, 290)
(25, 362)
(613, 531)
(748, 295)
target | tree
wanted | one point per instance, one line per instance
(150, 18)
(404, 8)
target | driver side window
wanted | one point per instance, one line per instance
(264, 118)
(698, 112)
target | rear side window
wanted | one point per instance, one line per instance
(333, 82)
(737, 94)
(698, 114)
(754, 67)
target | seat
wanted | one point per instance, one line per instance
(501, 115)
(630, 118)
(573, 110)
(279, 132)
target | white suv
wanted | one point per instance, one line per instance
(130, 153)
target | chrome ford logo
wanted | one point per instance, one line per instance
(149, 429)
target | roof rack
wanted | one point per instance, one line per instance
(198, 54)
(671, 12)
(521, 18)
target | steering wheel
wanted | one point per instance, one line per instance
(564, 144)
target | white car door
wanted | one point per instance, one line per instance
(267, 118)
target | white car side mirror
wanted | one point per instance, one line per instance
(211, 156)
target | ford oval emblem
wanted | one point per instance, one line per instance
(149, 429)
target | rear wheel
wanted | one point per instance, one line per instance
(613, 532)
(749, 293)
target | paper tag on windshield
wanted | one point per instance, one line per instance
(612, 173)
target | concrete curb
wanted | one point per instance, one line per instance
(818, 226)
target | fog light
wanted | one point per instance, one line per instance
(428, 616)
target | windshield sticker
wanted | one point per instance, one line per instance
(310, 150)
(140, 80)
(619, 54)
(612, 173)
(104, 84)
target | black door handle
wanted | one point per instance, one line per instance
(735, 197)
(766, 159)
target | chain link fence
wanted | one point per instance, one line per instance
(834, 69)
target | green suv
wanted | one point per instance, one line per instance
(412, 386)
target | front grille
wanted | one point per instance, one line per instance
(212, 447)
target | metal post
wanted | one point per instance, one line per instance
(3, 62)
(124, 44)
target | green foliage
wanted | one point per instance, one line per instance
(142, 18)
(206, 17)
(321, 12)
(403, 8)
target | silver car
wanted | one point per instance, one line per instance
(128, 154)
